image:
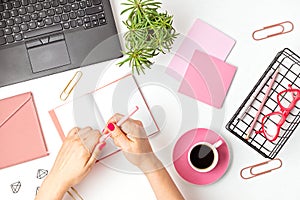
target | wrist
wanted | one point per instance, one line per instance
(59, 180)
(53, 187)
(150, 164)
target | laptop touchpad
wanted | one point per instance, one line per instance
(48, 52)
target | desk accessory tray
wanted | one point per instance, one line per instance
(289, 64)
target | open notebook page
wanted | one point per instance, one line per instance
(96, 108)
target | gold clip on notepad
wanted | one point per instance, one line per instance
(70, 86)
(261, 168)
(273, 30)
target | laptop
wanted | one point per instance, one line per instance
(44, 37)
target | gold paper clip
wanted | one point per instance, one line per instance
(70, 86)
(280, 28)
(252, 174)
(76, 194)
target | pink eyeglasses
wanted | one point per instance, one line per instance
(272, 123)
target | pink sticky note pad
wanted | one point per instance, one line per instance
(207, 79)
(203, 37)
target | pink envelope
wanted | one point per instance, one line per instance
(202, 37)
(21, 136)
(207, 79)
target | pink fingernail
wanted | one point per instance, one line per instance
(102, 146)
(111, 126)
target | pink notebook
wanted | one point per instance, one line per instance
(21, 136)
(207, 79)
(202, 37)
(96, 107)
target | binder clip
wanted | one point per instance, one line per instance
(279, 29)
(70, 86)
(253, 171)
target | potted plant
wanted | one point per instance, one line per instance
(150, 33)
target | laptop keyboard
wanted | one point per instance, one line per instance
(24, 19)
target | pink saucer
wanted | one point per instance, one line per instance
(180, 156)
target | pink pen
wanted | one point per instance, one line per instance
(262, 104)
(119, 123)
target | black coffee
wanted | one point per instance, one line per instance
(202, 156)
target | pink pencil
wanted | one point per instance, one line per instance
(119, 123)
(262, 104)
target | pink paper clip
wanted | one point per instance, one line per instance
(251, 174)
(280, 28)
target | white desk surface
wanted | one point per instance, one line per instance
(236, 18)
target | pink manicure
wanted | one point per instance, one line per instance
(111, 126)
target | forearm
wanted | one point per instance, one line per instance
(51, 189)
(163, 185)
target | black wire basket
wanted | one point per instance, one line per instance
(289, 74)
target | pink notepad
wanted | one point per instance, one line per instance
(207, 79)
(21, 136)
(202, 37)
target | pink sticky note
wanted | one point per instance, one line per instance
(202, 37)
(207, 79)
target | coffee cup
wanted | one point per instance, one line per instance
(204, 156)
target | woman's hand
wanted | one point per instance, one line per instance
(74, 161)
(75, 158)
(132, 139)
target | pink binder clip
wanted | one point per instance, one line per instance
(253, 171)
(273, 30)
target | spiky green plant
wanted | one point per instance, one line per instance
(150, 32)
